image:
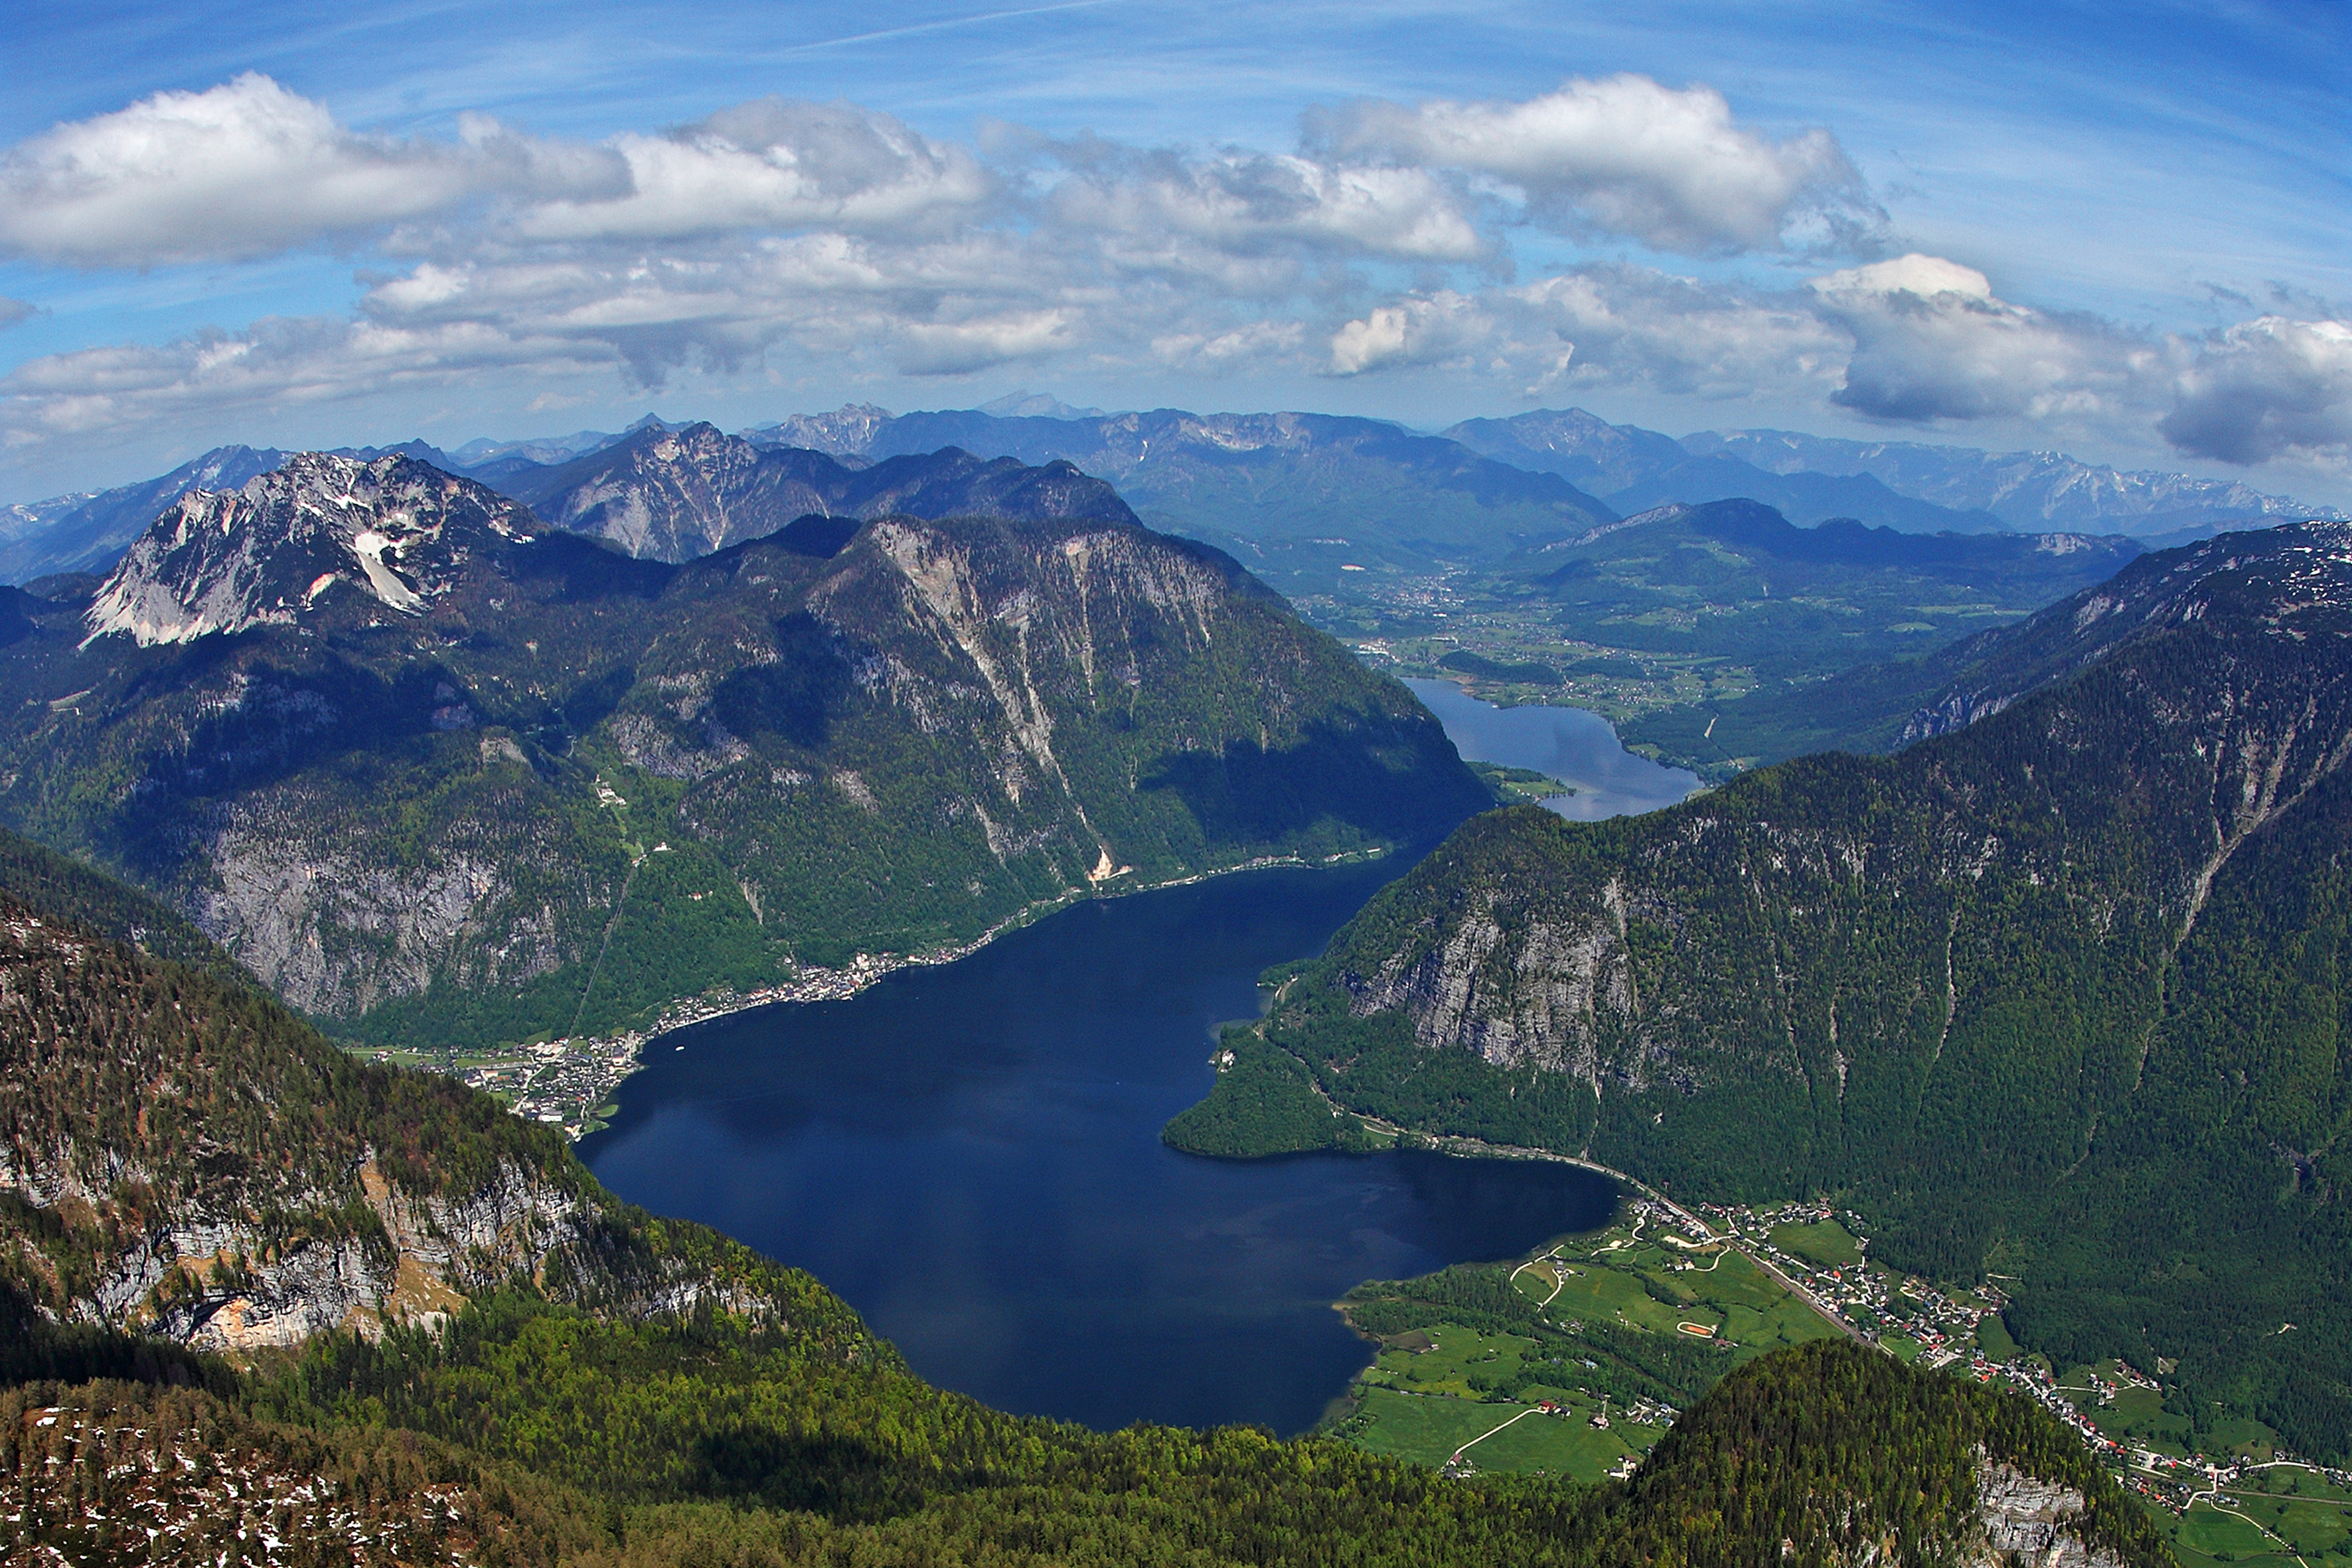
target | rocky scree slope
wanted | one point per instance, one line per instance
(2058, 992)
(439, 776)
(184, 1159)
(673, 494)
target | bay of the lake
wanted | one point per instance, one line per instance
(1576, 748)
(971, 1155)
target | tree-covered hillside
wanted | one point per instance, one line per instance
(2055, 994)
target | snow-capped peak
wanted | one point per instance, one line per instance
(221, 561)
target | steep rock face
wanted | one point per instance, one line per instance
(517, 782)
(677, 494)
(2040, 1522)
(393, 529)
(1981, 986)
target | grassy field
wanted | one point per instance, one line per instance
(1826, 1244)
(1657, 1288)
(1440, 1385)
(1429, 1431)
(2310, 1526)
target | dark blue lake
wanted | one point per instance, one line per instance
(971, 1155)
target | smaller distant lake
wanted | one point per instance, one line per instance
(1574, 746)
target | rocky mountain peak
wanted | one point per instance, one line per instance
(320, 526)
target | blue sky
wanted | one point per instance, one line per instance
(2117, 231)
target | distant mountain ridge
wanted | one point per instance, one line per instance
(1307, 500)
(1879, 707)
(1636, 470)
(86, 535)
(1914, 486)
(2028, 490)
(676, 492)
(1302, 480)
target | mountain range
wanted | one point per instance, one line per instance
(441, 775)
(1288, 489)
(2055, 991)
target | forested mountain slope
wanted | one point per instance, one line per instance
(440, 775)
(2059, 992)
(456, 1348)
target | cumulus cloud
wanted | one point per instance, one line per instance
(1625, 155)
(783, 232)
(1932, 341)
(279, 364)
(774, 166)
(1613, 326)
(248, 169)
(12, 311)
(1249, 201)
(2263, 389)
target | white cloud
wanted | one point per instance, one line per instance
(1620, 327)
(2263, 389)
(248, 169)
(1626, 155)
(789, 233)
(276, 365)
(1932, 341)
(774, 166)
(1250, 201)
(954, 348)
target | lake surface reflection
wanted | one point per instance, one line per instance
(971, 1155)
(1574, 746)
